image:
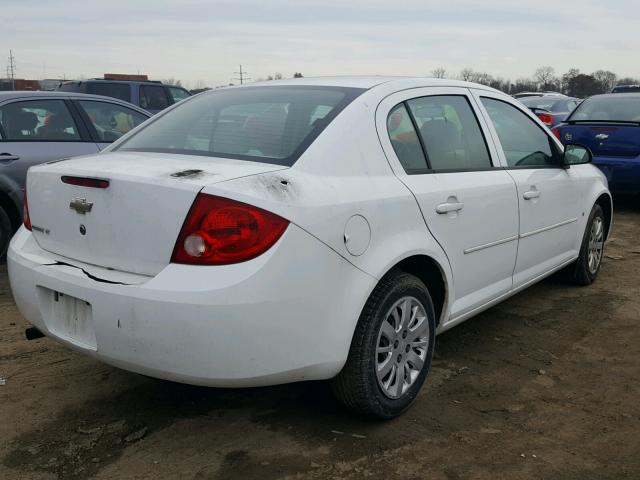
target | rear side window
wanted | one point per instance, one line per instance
(524, 143)
(38, 121)
(121, 91)
(446, 127)
(405, 141)
(110, 120)
(450, 133)
(153, 97)
(266, 124)
(178, 94)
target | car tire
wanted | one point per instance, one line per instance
(370, 385)
(6, 232)
(586, 268)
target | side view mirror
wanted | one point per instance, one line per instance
(575, 154)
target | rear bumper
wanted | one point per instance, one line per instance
(622, 173)
(285, 316)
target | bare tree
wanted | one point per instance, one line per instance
(172, 81)
(439, 72)
(482, 78)
(278, 76)
(606, 79)
(545, 76)
(466, 74)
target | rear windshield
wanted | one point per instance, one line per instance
(540, 102)
(272, 124)
(109, 89)
(71, 87)
(622, 109)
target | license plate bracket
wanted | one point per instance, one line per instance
(68, 317)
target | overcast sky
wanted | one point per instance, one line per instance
(204, 41)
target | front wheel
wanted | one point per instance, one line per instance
(586, 268)
(391, 350)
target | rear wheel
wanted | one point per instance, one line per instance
(6, 232)
(391, 349)
(586, 268)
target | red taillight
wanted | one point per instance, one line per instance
(546, 118)
(556, 132)
(85, 182)
(220, 231)
(25, 212)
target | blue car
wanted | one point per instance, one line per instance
(551, 109)
(610, 126)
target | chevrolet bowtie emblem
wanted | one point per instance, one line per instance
(81, 206)
(602, 136)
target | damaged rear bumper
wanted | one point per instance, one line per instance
(274, 319)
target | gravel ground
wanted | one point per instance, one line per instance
(543, 386)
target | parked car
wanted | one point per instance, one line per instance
(149, 95)
(610, 126)
(538, 94)
(626, 89)
(551, 109)
(305, 229)
(37, 127)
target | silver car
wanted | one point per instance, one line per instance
(37, 127)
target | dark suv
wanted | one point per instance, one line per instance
(152, 96)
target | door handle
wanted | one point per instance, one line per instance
(7, 157)
(531, 194)
(449, 207)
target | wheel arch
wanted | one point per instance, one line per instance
(606, 203)
(432, 274)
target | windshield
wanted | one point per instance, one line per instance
(540, 102)
(609, 108)
(272, 124)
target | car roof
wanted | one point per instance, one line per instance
(368, 82)
(108, 80)
(15, 94)
(617, 95)
(549, 97)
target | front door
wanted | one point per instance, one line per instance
(549, 196)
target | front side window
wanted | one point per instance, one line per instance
(153, 97)
(524, 142)
(264, 124)
(111, 121)
(38, 121)
(121, 91)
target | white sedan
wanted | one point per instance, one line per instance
(305, 229)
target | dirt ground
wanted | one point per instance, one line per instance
(543, 386)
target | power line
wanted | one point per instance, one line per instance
(242, 76)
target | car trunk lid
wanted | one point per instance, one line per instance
(607, 139)
(132, 224)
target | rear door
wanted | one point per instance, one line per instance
(550, 197)
(35, 131)
(437, 146)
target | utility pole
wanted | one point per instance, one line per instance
(11, 70)
(242, 76)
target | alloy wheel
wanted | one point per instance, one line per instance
(401, 351)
